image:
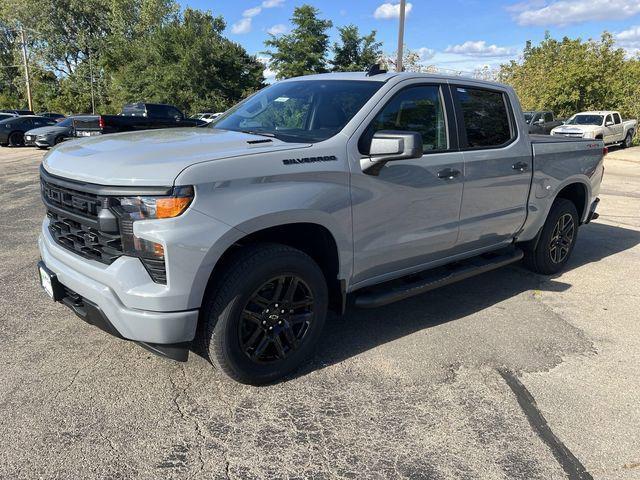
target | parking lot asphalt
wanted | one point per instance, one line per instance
(506, 375)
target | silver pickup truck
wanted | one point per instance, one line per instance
(235, 240)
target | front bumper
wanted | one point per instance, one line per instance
(156, 327)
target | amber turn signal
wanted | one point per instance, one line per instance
(170, 207)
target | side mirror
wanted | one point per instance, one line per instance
(540, 121)
(390, 145)
(608, 124)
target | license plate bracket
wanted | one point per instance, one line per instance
(49, 282)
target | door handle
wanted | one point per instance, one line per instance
(520, 166)
(448, 173)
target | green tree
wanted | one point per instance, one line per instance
(571, 75)
(355, 52)
(304, 50)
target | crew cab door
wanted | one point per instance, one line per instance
(497, 166)
(618, 128)
(406, 215)
(609, 135)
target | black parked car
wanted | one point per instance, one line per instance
(18, 112)
(541, 122)
(52, 115)
(50, 135)
(12, 129)
(135, 116)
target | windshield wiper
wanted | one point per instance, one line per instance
(258, 132)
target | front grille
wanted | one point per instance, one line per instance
(572, 135)
(84, 240)
(69, 200)
(74, 225)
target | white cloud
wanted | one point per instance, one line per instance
(629, 40)
(278, 29)
(241, 26)
(564, 12)
(252, 12)
(244, 24)
(480, 49)
(425, 53)
(390, 10)
(269, 75)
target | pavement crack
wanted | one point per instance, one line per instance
(567, 460)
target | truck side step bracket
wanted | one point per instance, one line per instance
(431, 279)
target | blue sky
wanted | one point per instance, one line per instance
(451, 34)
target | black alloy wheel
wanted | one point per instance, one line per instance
(562, 238)
(276, 319)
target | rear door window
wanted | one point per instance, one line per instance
(616, 118)
(485, 116)
(548, 117)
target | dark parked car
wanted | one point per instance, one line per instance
(18, 112)
(135, 116)
(50, 135)
(53, 115)
(12, 129)
(541, 122)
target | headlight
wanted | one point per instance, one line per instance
(149, 208)
(131, 209)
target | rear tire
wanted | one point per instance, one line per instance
(557, 239)
(628, 140)
(16, 139)
(263, 316)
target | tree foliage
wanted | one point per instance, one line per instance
(354, 52)
(304, 50)
(571, 75)
(134, 50)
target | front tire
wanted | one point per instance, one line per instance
(557, 239)
(264, 315)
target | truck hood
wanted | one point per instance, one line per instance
(152, 157)
(576, 128)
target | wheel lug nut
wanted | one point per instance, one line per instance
(276, 305)
(264, 322)
(281, 311)
(270, 328)
(280, 322)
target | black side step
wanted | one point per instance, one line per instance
(432, 279)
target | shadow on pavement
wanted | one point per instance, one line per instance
(360, 330)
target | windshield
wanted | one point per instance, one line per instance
(299, 111)
(528, 116)
(67, 122)
(585, 120)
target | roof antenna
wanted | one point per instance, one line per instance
(375, 69)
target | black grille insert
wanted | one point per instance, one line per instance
(83, 239)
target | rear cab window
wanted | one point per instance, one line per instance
(485, 116)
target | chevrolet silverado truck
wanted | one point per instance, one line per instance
(134, 116)
(607, 126)
(314, 193)
(541, 122)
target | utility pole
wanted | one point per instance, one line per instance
(93, 101)
(403, 5)
(26, 67)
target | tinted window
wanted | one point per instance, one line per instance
(415, 109)
(485, 117)
(585, 120)
(67, 122)
(300, 111)
(173, 112)
(548, 117)
(616, 118)
(134, 110)
(608, 119)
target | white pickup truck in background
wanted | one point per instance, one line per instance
(605, 125)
